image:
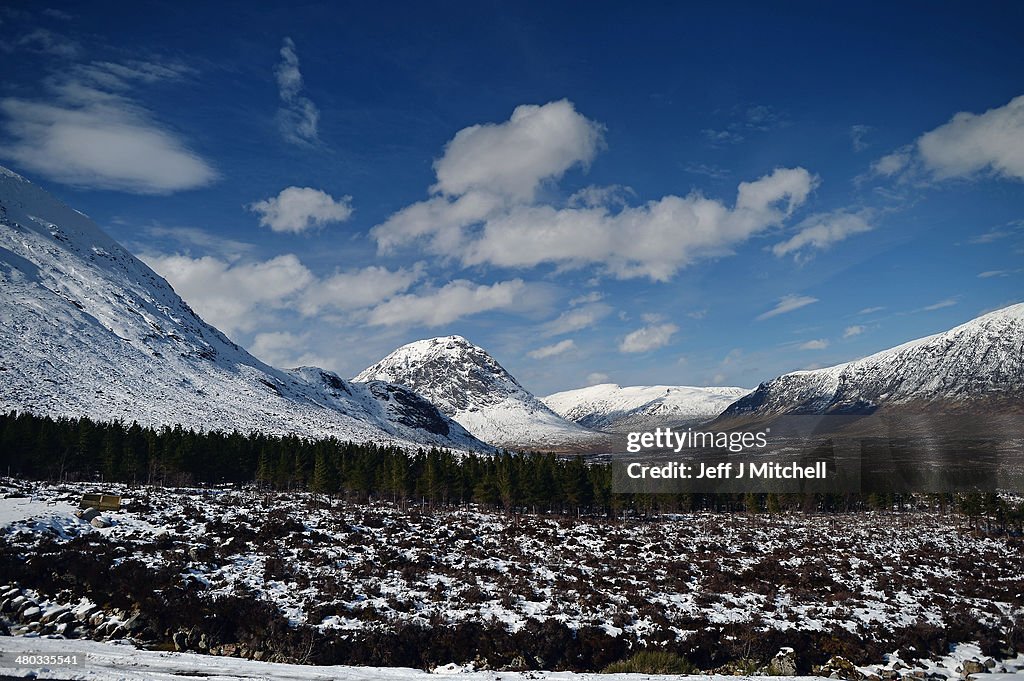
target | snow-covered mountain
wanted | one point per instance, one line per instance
(468, 384)
(86, 329)
(977, 364)
(612, 408)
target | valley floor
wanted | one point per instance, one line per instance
(298, 577)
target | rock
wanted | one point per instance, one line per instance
(84, 611)
(989, 662)
(839, 667)
(784, 663)
(180, 640)
(97, 618)
(135, 623)
(54, 615)
(30, 614)
(100, 522)
(973, 667)
(88, 514)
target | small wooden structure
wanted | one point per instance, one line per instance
(102, 502)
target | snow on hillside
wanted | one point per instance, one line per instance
(613, 408)
(469, 385)
(86, 329)
(982, 360)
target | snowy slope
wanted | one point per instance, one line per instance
(980, 362)
(86, 329)
(613, 408)
(468, 384)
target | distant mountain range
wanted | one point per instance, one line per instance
(615, 409)
(86, 329)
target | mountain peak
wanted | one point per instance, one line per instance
(470, 386)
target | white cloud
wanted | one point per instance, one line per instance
(870, 310)
(486, 214)
(298, 118)
(718, 138)
(891, 164)
(91, 134)
(297, 209)
(457, 299)
(818, 344)
(648, 338)
(654, 240)
(512, 158)
(857, 135)
(597, 378)
(948, 302)
(787, 304)
(594, 196)
(57, 14)
(577, 319)
(821, 231)
(206, 242)
(230, 296)
(277, 348)
(854, 330)
(558, 348)
(233, 296)
(970, 143)
(592, 297)
(42, 41)
(356, 289)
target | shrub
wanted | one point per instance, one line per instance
(651, 662)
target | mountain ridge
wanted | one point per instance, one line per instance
(981, 360)
(87, 329)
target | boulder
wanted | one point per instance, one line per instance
(135, 624)
(53, 615)
(839, 667)
(88, 514)
(973, 667)
(784, 663)
(100, 522)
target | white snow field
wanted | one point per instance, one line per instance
(123, 662)
(353, 568)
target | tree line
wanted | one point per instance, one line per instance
(81, 449)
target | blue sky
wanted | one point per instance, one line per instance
(678, 194)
